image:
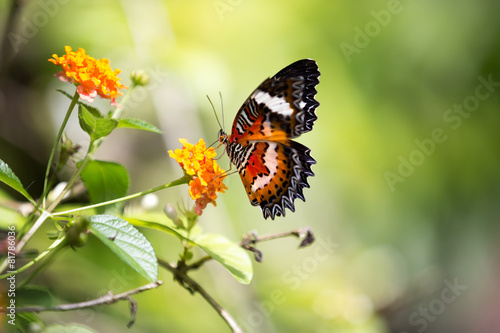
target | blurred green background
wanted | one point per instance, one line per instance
(404, 204)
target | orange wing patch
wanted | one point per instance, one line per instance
(263, 129)
(275, 175)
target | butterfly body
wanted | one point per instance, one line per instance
(272, 167)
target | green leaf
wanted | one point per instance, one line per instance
(27, 321)
(127, 243)
(34, 295)
(105, 181)
(64, 93)
(229, 254)
(8, 177)
(70, 328)
(161, 222)
(94, 124)
(138, 124)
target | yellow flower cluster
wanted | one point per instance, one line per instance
(93, 77)
(207, 176)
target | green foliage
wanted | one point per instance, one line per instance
(127, 243)
(138, 124)
(34, 295)
(92, 122)
(105, 181)
(228, 253)
(160, 222)
(8, 177)
(28, 322)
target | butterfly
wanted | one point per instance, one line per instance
(272, 167)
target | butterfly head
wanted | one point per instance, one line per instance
(223, 137)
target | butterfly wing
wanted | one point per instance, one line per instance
(273, 168)
(282, 106)
(275, 174)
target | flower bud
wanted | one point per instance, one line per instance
(77, 232)
(139, 78)
(171, 213)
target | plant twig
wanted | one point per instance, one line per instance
(193, 287)
(252, 238)
(109, 298)
(301, 232)
(199, 263)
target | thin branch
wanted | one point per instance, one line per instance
(199, 263)
(109, 298)
(252, 238)
(193, 287)
(301, 232)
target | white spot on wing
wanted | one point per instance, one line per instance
(275, 104)
(271, 162)
(266, 128)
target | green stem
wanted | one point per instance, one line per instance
(76, 96)
(60, 242)
(124, 100)
(74, 177)
(39, 268)
(30, 232)
(179, 181)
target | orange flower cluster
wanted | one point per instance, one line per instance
(198, 162)
(93, 77)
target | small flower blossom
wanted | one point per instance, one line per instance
(207, 176)
(93, 77)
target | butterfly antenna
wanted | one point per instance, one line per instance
(222, 110)
(215, 113)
